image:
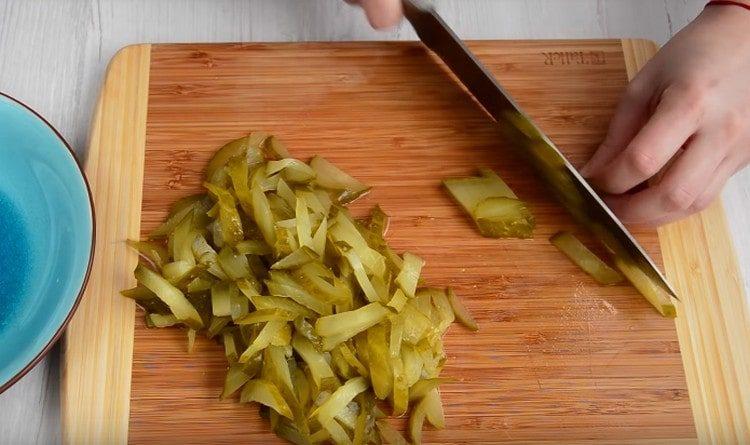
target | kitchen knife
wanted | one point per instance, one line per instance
(566, 184)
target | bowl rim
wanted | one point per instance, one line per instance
(58, 333)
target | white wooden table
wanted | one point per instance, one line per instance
(53, 54)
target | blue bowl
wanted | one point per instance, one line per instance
(46, 237)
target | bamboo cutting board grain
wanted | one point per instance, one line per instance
(557, 358)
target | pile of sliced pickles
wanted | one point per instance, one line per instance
(322, 323)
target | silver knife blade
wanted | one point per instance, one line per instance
(566, 184)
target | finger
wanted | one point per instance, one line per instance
(719, 180)
(684, 181)
(629, 117)
(382, 13)
(673, 122)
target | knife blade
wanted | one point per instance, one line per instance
(563, 180)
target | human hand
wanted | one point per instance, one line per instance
(687, 109)
(381, 13)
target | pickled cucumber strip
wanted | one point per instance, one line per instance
(304, 226)
(234, 380)
(339, 399)
(495, 209)
(412, 364)
(276, 370)
(433, 409)
(418, 326)
(337, 433)
(397, 335)
(179, 211)
(319, 280)
(409, 275)
(416, 422)
(582, 257)
(161, 321)
(361, 424)
(359, 273)
(178, 271)
(238, 171)
(153, 251)
(239, 305)
(319, 238)
(199, 284)
(398, 300)
(443, 315)
(230, 347)
(313, 202)
(286, 193)
(504, 218)
(266, 315)
(352, 360)
(389, 434)
(298, 258)
(291, 170)
(265, 393)
(381, 373)
(351, 323)
(319, 368)
(302, 386)
(216, 325)
(305, 329)
(462, 314)
(262, 214)
(281, 303)
(253, 247)
(655, 295)
(207, 256)
(286, 242)
(400, 398)
(472, 190)
(221, 299)
(281, 284)
(138, 293)
(422, 387)
(173, 297)
(272, 330)
(343, 230)
(378, 221)
(320, 436)
(215, 169)
(330, 177)
(229, 217)
(234, 264)
(275, 149)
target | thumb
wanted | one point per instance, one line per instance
(382, 13)
(630, 115)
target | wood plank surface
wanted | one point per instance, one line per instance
(557, 358)
(98, 344)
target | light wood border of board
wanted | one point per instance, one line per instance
(98, 345)
(713, 321)
(713, 324)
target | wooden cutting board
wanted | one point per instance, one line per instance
(557, 358)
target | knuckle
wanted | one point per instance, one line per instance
(692, 95)
(643, 164)
(678, 198)
(732, 126)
